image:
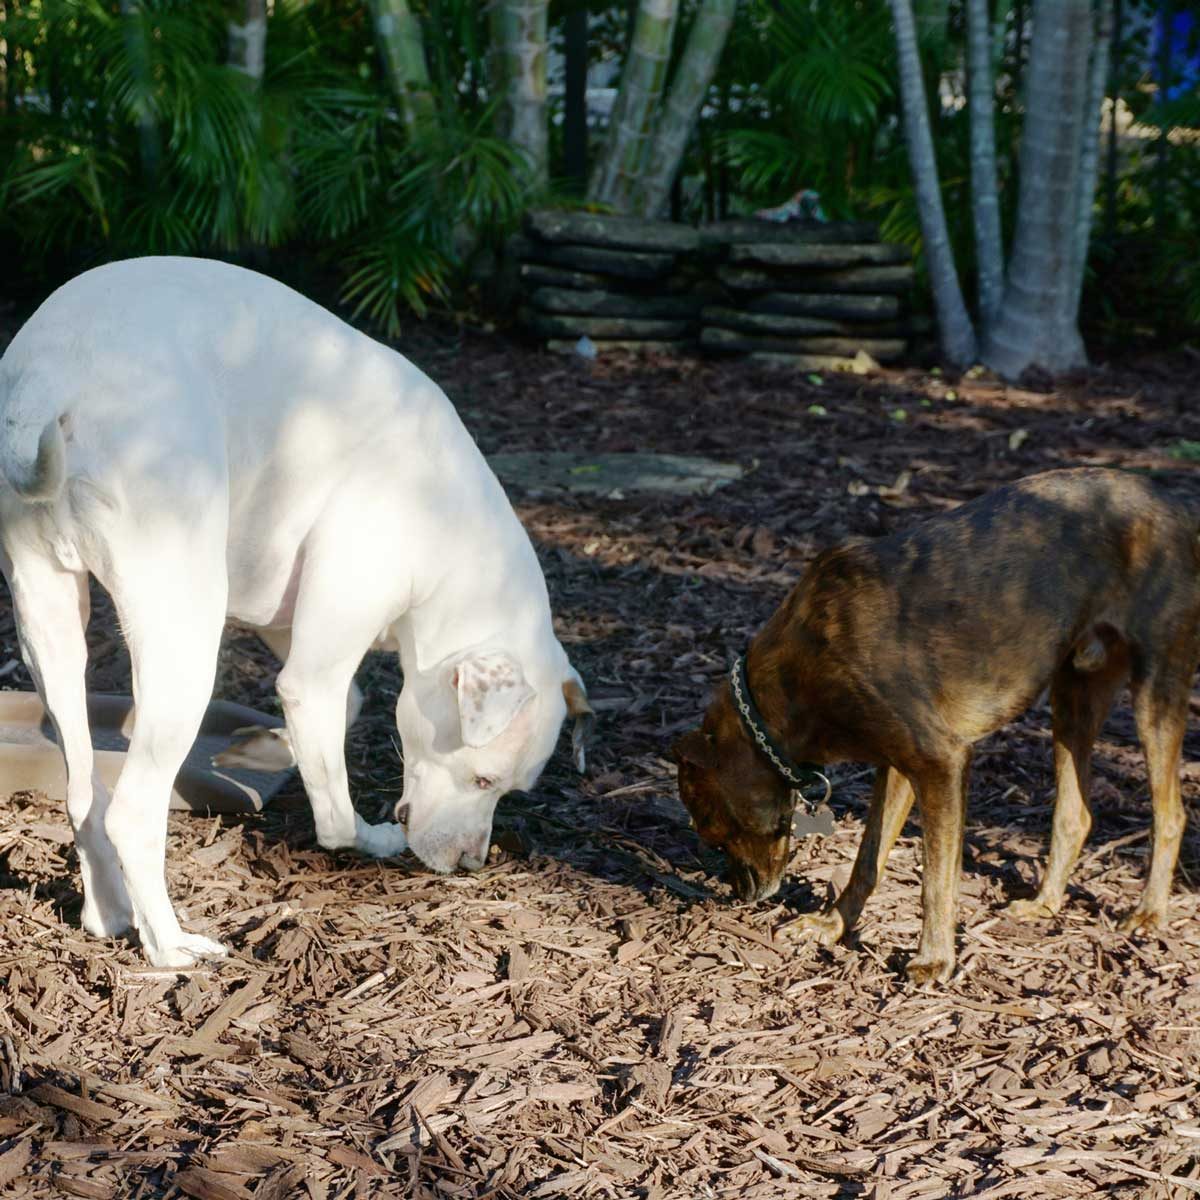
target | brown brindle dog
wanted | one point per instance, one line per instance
(904, 651)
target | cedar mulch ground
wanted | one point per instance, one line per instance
(591, 1015)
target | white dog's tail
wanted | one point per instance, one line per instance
(36, 470)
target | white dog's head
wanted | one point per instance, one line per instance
(472, 729)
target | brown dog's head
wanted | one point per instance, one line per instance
(736, 799)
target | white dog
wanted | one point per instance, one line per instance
(210, 444)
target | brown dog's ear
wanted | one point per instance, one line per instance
(696, 748)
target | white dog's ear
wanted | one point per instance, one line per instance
(491, 691)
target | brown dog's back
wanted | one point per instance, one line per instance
(1001, 591)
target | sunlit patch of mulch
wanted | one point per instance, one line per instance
(591, 1015)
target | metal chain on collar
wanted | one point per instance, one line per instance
(796, 774)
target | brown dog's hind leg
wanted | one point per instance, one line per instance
(1081, 700)
(1160, 708)
(942, 796)
(891, 800)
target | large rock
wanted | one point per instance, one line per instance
(814, 304)
(792, 257)
(620, 233)
(622, 328)
(613, 304)
(618, 264)
(749, 229)
(880, 349)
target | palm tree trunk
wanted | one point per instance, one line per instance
(403, 48)
(696, 68)
(616, 174)
(1089, 156)
(1037, 323)
(985, 188)
(519, 29)
(248, 41)
(957, 332)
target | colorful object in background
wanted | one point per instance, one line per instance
(805, 205)
(1183, 54)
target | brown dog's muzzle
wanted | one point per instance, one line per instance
(756, 866)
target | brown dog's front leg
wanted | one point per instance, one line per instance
(941, 794)
(891, 800)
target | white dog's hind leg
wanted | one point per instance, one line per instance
(172, 609)
(52, 609)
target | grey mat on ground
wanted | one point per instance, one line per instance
(614, 474)
(30, 759)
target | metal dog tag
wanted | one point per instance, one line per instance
(806, 822)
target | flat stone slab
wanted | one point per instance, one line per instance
(620, 233)
(794, 233)
(614, 475)
(30, 759)
(607, 345)
(636, 265)
(816, 304)
(846, 254)
(880, 349)
(624, 328)
(603, 303)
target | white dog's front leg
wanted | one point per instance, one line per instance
(316, 723)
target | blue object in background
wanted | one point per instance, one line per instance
(1184, 49)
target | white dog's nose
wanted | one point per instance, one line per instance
(472, 862)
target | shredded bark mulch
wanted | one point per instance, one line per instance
(591, 1014)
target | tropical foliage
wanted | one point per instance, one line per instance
(128, 133)
(126, 127)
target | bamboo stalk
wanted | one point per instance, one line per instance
(701, 54)
(403, 48)
(616, 173)
(519, 30)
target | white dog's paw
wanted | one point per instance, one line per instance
(105, 921)
(187, 951)
(379, 841)
(258, 749)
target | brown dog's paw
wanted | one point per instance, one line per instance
(929, 970)
(1033, 909)
(826, 928)
(1143, 919)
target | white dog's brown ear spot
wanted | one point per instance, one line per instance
(578, 707)
(491, 691)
